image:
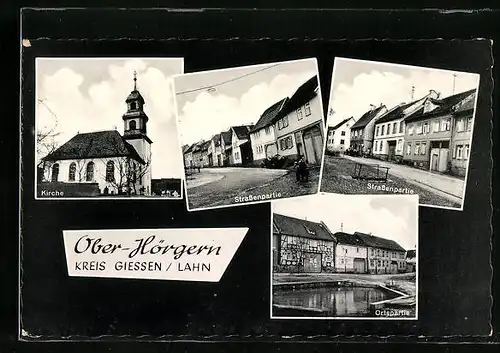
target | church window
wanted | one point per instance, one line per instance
(110, 171)
(132, 125)
(55, 172)
(72, 171)
(90, 172)
(133, 106)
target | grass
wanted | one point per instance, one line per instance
(337, 178)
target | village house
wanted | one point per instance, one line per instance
(411, 260)
(226, 147)
(390, 129)
(461, 137)
(383, 255)
(339, 135)
(350, 253)
(241, 147)
(197, 154)
(302, 246)
(116, 164)
(429, 133)
(299, 124)
(188, 156)
(263, 135)
(214, 151)
(366, 253)
(363, 130)
(205, 161)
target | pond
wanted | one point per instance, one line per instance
(338, 301)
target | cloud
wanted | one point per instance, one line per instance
(102, 104)
(210, 113)
(382, 85)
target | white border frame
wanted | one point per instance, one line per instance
(338, 59)
(176, 108)
(417, 240)
(115, 198)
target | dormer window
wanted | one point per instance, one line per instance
(310, 231)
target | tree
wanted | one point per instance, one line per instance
(128, 173)
(46, 142)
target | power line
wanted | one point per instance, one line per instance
(227, 81)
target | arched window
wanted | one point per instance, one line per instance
(72, 171)
(110, 171)
(90, 172)
(55, 172)
(132, 125)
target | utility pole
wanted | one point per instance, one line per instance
(412, 92)
(454, 82)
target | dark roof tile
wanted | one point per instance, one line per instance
(267, 117)
(100, 144)
(367, 117)
(299, 227)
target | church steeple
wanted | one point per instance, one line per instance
(135, 119)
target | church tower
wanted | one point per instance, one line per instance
(135, 119)
(135, 131)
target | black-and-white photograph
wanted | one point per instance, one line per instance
(105, 127)
(250, 134)
(398, 129)
(359, 261)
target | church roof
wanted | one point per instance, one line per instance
(135, 95)
(101, 144)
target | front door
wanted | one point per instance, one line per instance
(312, 262)
(359, 265)
(392, 150)
(313, 143)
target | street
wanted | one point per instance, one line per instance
(433, 189)
(439, 182)
(220, 186)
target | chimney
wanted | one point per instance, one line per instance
(372, 107)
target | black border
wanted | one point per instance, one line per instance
(425, 24)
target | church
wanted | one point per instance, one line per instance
(103, 163)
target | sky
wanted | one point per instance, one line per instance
(88, 94)
(206, 112)
(392, 217)
(358, 83)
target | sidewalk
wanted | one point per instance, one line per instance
(447, 184)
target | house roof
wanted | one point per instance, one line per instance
(348, 239)
(100, 144)
(367, 117)
(444, 105)
(299, 227)
(466, 104)
(267, 117)
(190, 148)
(227, 137)
(339, 124)
(411, 254)
(302, 95)
(242, 131)
(197, 146)
(216, 139)
(204, 146)
(377, 242)
(395, 113)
